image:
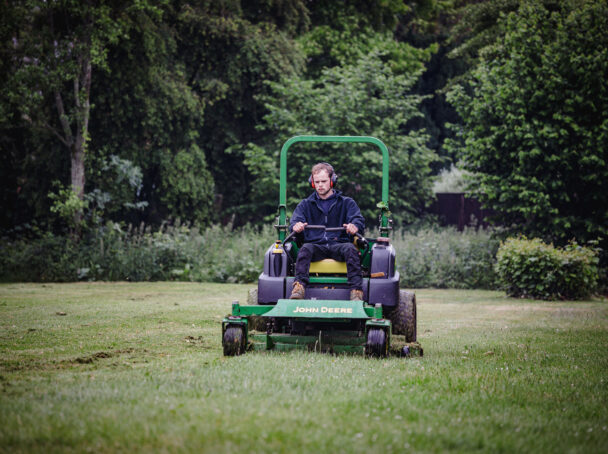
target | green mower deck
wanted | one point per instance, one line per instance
(330, 319)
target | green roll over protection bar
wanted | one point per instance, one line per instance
(282, 225)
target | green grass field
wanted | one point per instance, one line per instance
(108, 367)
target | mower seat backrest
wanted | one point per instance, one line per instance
(328, 266)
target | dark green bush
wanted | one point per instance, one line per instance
(47, 259)
(446, 258)
(534, 269)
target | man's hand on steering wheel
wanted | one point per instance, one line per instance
(351, 229)
(299, 227)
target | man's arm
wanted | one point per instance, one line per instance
(298, 220)
(355, 222)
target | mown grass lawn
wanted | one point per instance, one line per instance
(108, 367)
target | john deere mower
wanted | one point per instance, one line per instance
(327, 321)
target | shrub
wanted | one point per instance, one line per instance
(534, 269)
(428, 258)
(47, 259)
(446, 258)
(114, 253)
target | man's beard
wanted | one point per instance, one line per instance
(323, 194)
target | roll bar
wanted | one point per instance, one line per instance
(282, 226)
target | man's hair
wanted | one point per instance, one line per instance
(322, 166)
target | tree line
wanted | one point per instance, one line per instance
(149, 111)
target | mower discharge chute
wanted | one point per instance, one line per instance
(327, 321)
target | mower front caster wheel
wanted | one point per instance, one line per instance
(376, 344)
(233, 341)
(403, 316)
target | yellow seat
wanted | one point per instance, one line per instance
(328, 266)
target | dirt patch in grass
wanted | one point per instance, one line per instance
(100, 355)
(194, 340)
(31, 365)
(103, 355)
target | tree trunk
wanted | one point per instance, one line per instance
(76, 142)
(82, 90)
(77, 170)
(78, 179)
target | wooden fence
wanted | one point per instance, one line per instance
(458, 210)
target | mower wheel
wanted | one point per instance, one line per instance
(233, 340)
(403, 316)
(376, 343)
(256, 322)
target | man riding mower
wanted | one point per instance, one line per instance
(324, 287)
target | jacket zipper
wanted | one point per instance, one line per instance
(326, 219)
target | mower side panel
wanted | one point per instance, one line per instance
(383, 261)
(384, 291)
(275, 261)
(384, 281)
(271, 283)
(270, 289)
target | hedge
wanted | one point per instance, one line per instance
(530, 268)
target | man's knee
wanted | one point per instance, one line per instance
(306, 250)
(349, 250)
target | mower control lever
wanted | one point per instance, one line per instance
(362, 240)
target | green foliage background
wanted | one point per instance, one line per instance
(425, 258)
(192, 94)
(190, 102)
(534, 128)
(363, 98)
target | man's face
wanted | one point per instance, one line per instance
(322, 184)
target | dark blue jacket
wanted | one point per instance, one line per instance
(344, 210)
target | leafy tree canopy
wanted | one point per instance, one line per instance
(535, 127)
(362, 98)
(229, 50)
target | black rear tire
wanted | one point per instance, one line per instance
(377, 344)
(403, 316)
(233, 341)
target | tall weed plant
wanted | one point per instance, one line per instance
(447, 258)
(443, 258)
(117, 253)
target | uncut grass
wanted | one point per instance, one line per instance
(139, 367)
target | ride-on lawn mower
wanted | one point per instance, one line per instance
(327, 321)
